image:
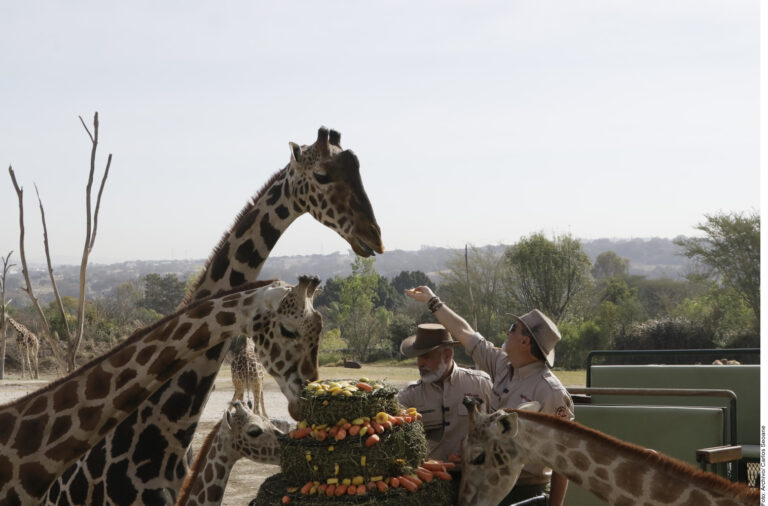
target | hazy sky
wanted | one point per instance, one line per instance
(475, 122)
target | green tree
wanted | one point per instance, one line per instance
(610, 265)
(362, 325)
(486, 277)
(331, 292)
(411, 279)
(163, 293)
(731, 248)
(548, 274)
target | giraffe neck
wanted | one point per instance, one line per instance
(618, 472)
(209, 473)
(46, 431)
(239, 256)
(242, 251)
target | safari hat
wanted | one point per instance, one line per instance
(544, 332)
(429, 336)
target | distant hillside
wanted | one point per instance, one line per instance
(653, 258)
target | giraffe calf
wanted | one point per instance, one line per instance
(240, 433)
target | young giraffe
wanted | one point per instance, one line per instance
(241, 433)
(320, 179)
(248, 376)
(29, 345)
(622, 474)
(43, 433)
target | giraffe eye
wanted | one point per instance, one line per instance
(290, 334)
(322, 178)
(255, 432)
(479, 460)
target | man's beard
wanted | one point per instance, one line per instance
(428, 376)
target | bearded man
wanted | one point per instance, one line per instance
(438, 394)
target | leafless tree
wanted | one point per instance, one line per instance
(3, 323)
(73, 339)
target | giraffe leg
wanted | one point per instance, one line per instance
(239, 390)
(258, 400)
(35, 360)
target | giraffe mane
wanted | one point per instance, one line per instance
(662, 462)
(137, 336)
(194, 468)
(223, 241)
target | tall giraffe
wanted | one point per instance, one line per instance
(248, 376)
(241, 433)
(500, 443)
(45, 432)
(320, 179)
(29, 346)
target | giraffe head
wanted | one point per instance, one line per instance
(491, 460)
(248, 434)
(287, 336)
(326, 184)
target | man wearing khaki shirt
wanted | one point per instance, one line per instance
(520, 373)
(438, 394)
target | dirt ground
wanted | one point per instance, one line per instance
(247, 476)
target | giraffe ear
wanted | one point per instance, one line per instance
(295, 151)
(273, 297)
(508, 424)
(533, 406)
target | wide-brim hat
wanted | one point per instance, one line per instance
(544, 332)
(429, 336)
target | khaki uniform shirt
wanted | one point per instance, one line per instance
(511, 388)
(445, 418)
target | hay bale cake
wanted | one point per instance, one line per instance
(355, 444)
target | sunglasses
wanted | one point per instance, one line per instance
(512, 328)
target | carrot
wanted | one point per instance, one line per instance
(352, 490)
(361, 490)
(302, 433)
(346, 426)
(340, 434)
(378, 428)
(333, 431)
(306, 488)
(353, 431)
(408, 418)
(321, 435)
(321, 489)
(329, 490)
(443, 475)
(394, 482)
(408, 478)
(418, 416)
(370, 485)
(408, 485)
(372, 440)
(340, 490)
(382, 486)
(415, 478)
(399, 420)
(365, 386)
(286, 499)
(454, 458)
(448, 465)
(425, 474)
(433, 466)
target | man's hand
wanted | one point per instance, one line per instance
(420, 293)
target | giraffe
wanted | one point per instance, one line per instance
(498, 444)
(29, 345)
(248, 375)
(240, 433)
(321, 179)
(43, 433)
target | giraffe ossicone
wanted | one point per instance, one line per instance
(321, 179)
(46, 431)
(500, 443)
(240, 434)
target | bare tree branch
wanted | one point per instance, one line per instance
(90, 237)
(46, 328)
(50, 269)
